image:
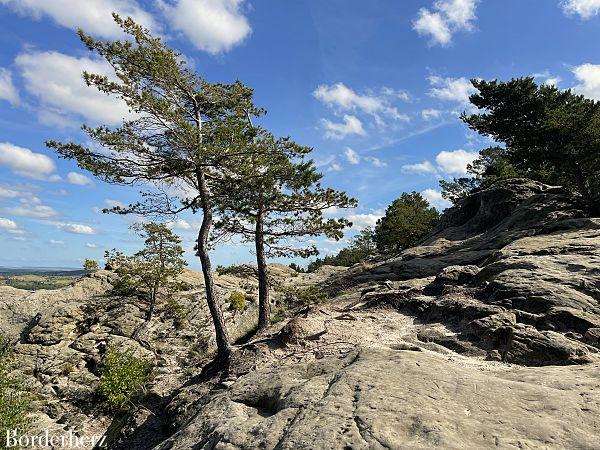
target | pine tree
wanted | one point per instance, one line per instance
(152, 270)
(183, 131)
(276, 198)
(407, 220)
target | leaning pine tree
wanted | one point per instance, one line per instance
(275, 198)
(182, 131)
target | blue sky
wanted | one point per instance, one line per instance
(375, 87)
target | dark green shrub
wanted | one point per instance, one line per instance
(123, 376)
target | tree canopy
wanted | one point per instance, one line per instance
(406, 221)
(182, 132)
(549, 135)
(152, 270)
(275, 196)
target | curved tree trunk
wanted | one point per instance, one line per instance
(152, 302)
(264, 306)
(222, 337)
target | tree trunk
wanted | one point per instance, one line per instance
(264, 306)
(152, 302)
(222, 337)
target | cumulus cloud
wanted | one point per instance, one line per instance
(214, 26)
(585, 9)
(56, 242)
(546, 78)
(435, 199)
(179, 224)
(362, 221)
(95, 17)
(109, 203)
(455, 162)
(56, 81)
(341, 97)
(79, 179)
(90, 245)
(76, 228)
(446, 18)
(375, 161)
(447, 162)
(32, 209)
(451, 89)
(351, 156)
(10, 226)
(421, 168)
(351, 125)
(22, 161)
(8, 91)
(588, 76)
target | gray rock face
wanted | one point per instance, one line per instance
(374, 398)
(485, 335)
(436, 347)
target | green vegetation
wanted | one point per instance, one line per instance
(188, 132)
(276, 195)
(361, 246)
(123, 377)
(241, 270)
(36, 282)
(549, 135)
(175, 311)
(295, 299)
(15, 398)
(237, 301)
(406, 221)
(89, 265)
(152, 270)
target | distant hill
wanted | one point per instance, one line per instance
(42, 271)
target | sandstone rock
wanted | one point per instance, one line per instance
(398, 399)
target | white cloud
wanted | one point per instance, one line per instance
(546, 78)
(8, 193)
(446, 18)
(55, 242)
(214, 26)
(10, 226)
(90, 245)
(362, 221)
(33, 210)
(429, 114)
(334, 167)
(451, 89)
(113, 203)
(376, 161)
(95, 17)
(422, 168)
(76, 228)
(336, 130)
(586, 9)
(26, 163)
(341, 97)
(447, 162)
(79, 179)
(351, 156)
(455, 162)
(435, 199)
(588, 76)
(179, 224)
(8, 91)
(55, 79)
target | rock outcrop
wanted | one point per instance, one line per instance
(487, 334)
